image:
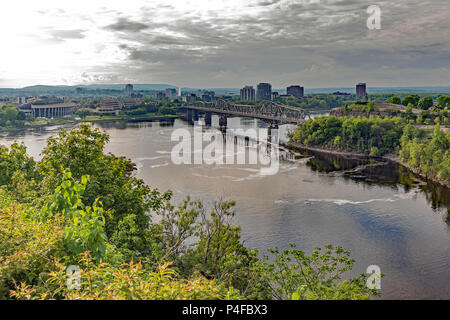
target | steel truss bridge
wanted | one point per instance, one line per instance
(269, 111)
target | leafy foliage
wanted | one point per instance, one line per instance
(126, 199)
(27, 247)
(443, 102)
(429, 154)
(11, 117)
(295, 275)
(425, 103)
(380, 135)
(395, 100)
(413, 99)
(127, 282)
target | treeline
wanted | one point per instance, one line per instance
(317, 101)
(78, 206)
(427, 116)
(149, 105)
(425, 103)
(374, 136)
(11, 117)
(428, 153)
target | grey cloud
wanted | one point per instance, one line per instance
(68, 34)
(126, 25)
(316, 42)
(267, 2)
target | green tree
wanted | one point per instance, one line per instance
(395, 100)
(409, 112)
(85, 228)
(124, 197)
(425, 103)
(413, 99)
(292, 274)
(443, 102)
(83, 113)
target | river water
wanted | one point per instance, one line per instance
(381, 213)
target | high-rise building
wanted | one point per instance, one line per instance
(171, 93)
(264, 91)
(190, 98)
(361, 93)
(295, 91)
(129, 89)
(208, 95)
(248, 93)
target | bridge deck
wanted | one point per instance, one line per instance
(247, 114)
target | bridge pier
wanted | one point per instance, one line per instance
(208, 119)
(195, 115)
(189, 115)
(222, 121)
(272, 126)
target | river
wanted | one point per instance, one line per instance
(380, 212)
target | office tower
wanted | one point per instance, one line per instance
(295, 91)
(248, 93)
(361, 93)
(129, 89)
(264, 91)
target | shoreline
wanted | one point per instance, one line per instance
(390, 157)
(73, 121)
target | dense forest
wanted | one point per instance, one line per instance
(78, 224)
(428, 153)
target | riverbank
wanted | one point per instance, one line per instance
(389, 157)
(90, 119)
(152, 117)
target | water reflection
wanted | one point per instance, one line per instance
(378, 172)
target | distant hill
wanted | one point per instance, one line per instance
(68, 90)
(156, 86)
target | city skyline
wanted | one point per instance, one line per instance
(224, 44)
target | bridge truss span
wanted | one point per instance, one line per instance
(269, 111)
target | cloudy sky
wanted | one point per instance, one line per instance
(224, 43)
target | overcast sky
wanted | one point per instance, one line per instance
(224, 43)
